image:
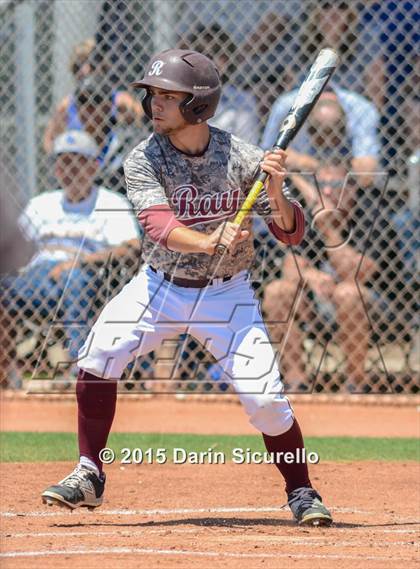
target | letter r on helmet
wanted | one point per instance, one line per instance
(156, 68)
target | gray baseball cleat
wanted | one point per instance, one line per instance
(307, 507)
(80, 488)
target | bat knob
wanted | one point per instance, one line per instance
(220, 249)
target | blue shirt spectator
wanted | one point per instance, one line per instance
(361, 116)
(237, 114)
(362, 120)
(237, 111)
(397, 78)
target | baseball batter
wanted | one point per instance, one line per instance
(186, 183)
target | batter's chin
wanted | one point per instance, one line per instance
(159, 128)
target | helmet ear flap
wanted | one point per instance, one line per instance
(184, 107)
(146, 103)
(192, 109)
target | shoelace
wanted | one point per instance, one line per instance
(78, 475)
(304, 495)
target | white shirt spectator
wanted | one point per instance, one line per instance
(63, 229)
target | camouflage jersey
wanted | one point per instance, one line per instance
(203, 191)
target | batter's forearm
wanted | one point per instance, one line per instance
(184, 240)
(283, 213)
(160, 223)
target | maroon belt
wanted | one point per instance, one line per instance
(190, 283)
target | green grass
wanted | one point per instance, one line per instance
(49, 447)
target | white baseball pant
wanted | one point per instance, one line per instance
(224, 316)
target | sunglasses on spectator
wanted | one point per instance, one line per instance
(327, 131)
(334, 184)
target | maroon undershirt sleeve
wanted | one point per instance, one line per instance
(158, 221)
(290, 237)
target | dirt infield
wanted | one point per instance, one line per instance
(160, 415)
(212, 516)
(209, 515)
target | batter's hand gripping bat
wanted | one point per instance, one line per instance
(308, 94)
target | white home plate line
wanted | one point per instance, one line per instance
(180, 511)
(87, 532)
(307, 540)
(218, 554)
(147, 531)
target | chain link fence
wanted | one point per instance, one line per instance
(342, 305)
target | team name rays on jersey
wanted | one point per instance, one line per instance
(202, 191)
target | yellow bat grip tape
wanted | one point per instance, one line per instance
(249, 202)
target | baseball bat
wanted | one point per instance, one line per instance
(306, 98)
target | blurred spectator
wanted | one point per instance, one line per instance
(94, 101)
(97, 113)
(76, 228)
(16, 249)
(404, 235)
(237, 111)
(270, 64)
(346, 117)
(397, 77)
(340, 25)
(327, 129)
(410, 130)
(325, 264)
(125, 35)
(84, 63)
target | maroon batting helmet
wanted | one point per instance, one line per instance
(184, 71)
